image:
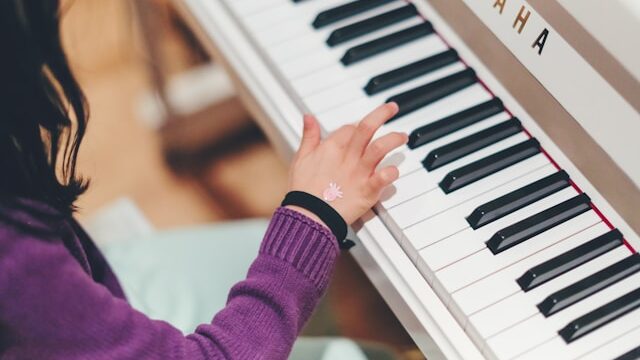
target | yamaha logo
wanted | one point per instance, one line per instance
(521, 16)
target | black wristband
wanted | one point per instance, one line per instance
(324, 211)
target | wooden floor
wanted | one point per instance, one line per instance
(124, 157)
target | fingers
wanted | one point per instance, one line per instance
(369, 125)
(383, 178)
(310, 135)
(377, 150)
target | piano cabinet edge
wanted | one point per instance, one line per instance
(284, 146)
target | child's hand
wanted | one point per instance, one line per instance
(347, 158)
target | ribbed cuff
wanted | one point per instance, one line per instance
(310, 247)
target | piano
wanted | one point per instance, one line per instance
(502, 239)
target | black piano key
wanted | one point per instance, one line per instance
(352, 31)
(424, 95)
(377, 46)
(451, 152)
(630, 355)
(482, 168)
(430, 132)
(590, 285)
(409, 72)
(601, 316)
(534, 225)
(347, 10)
(570, 260)
(516, 200)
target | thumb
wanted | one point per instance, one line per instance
(310, 135)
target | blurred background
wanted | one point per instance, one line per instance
(170, 146)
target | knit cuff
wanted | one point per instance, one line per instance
(310, 247)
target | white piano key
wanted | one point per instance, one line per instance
(618, 346)
(488, 290)
(437, 228)
(437, 210)
(334, 119)
(421, 181)
(467, 199)
(468, 241)
(451, 104)
(539, 330)
(300, 25)
(502, 285)
(484, 263)
(389, 60)
(248, 7)
(612, 339)
(287, 11)
(408, 160)
(521, 306)
(352, 90)
(324, 57)
(310, 40)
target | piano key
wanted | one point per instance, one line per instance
(458, 149)
(439, 209)
(421, 181)
(517, 199)
(538, 223)
(341, 12)
(497, 280)
(385, 43)
(408, 160)
(350, 112)
(318, 56)
(352, 31)
(424, 95)
(468, 241)
(586, 347)
(624, 347)
(246, 8)
(304, 43)
(457, 121)
(632, 354)
(536, 331)
(501, 284)
(559, 265)
(405, 73)
(484, 263)
(297, 24)
(601, 316)
(590, 285)
(446, 106)
(344, 93)
(274, 15)
(482, 168)
(504, 312)
(336, 74)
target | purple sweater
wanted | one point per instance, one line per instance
(60, 300)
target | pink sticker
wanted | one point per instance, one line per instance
(332, 192)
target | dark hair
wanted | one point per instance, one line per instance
(43, 112)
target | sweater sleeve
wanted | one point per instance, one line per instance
(51, 309)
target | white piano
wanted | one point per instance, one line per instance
(495, 243)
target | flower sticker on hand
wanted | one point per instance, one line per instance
(332, 192)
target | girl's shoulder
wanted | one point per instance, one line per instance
(28, 217)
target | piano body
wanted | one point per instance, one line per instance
(495, 242)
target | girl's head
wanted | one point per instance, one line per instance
(43, 113)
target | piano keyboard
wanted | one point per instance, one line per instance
(523, 259)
